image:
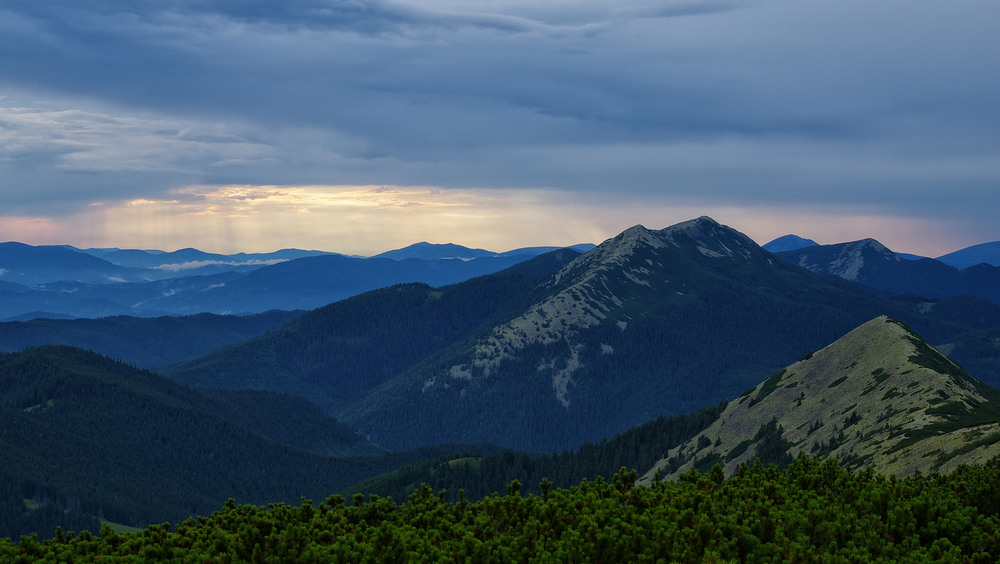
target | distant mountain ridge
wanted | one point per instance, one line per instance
(66, 282)
(988, 253)
(871, 263)
(788, 243)
(879, 397)
(431, 251)
(26, 264)
(445, 251)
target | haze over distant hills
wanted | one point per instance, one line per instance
(50, 281)
(192, 262)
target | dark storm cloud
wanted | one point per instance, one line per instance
(877, 104)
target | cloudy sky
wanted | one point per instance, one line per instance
(359, 126)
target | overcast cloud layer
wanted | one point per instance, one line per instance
(880, 109)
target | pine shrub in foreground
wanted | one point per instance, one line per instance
(811, 511)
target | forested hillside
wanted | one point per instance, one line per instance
(87, 434)
(480, 474)
(143, 342)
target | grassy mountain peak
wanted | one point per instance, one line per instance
(605, 284)
(879, 397)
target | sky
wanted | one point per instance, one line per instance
(361, 126)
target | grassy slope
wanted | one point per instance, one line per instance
(879, 397)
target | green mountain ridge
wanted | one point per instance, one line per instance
(879, 397)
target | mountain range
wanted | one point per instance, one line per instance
(567, 348)
(445, 251)
(63, 282)
(43, 264)
(872, 264)
(983, 253)
(657, 349)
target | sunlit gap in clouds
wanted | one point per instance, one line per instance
(366, 220)
(361, 220)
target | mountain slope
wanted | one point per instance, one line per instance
(142, 342)
(870, 263)
(80, 431)
(616, 281)
(879, 397)
(336, 354)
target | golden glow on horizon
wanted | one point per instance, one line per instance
(367, 220)
(361, 220)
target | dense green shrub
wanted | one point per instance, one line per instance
(810, 511)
